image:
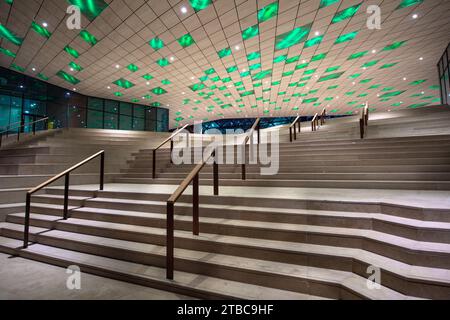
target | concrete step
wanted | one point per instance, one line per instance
(54, 168)
(283, 276)
(36, 158)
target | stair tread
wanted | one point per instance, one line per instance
(343, 278)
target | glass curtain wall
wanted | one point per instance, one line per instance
(444, 76)
(24, 99)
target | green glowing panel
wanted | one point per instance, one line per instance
(244, 74)
(293, 59)
(354, 76)
(255, 66)
(163, 62)
(133, 68)
(147, 77)
(90, 8)
(226, 80)
(310, 100)
(247, 93)
(253, 56)
(118, 94)
(326, 3)
(88, 37)
(417, 82)
(75, 66)
(417, 105)
(186, 41)
(394, 46)
(319, 56)
(287, 73)
(158, 91)
(310, 71)
(10, 36)
(357, 55)
(291, 38)
(42, 76)
(332, 87)
(250, 32)
(346, 13)
(268, 12)
(203, 79)
(197, 87)
(224, 53)
(16, 67)
(374, 86)
(40, 30)
(166, 82)
(279, 59)
(156, 43)
(302, 66)
(408, 3)
(198, 5)
(346, 37)
(7, 52)
(74, 53)
(350, 93)
(123, 83)
(313, 42)
(210, 71)
(330, 76)
(331, 69)
(370, 63)
(67, 77)
(232, 69)
(388, 65)
(10, 2)
(366, 80)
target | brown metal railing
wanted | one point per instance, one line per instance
(19, 128)
(364, 121)
(315, 122)
(194, 178)
(292, 128)
(322, 116)
(163, 143)
(65, 174)
(244, 145)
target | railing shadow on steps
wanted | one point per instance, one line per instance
(255, 126)
(162, 144)
(292, 127)
(364, 121)
(65, 174)
(23, 125)
(193, 178)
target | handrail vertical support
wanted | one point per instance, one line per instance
(299, 126)
(295, 134)
(66, 196)
(290, 134)
(195, 205)
(27, 221)
(169, 241)
(154, 164)
(102, 171)
(171, 150)
(259, 134)
(216, 175)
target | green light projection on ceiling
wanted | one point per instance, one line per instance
(357, 55)
(291, 38)
(391, 94)
(346, 37)
(346, 13)
(186, 40)
(156, 43)
(268, 12)
(75, 66)
(370, 63)
(74, 53)
(224, 53)
(313, 42)
(123, 83)
(90, 8)
(319, 56)
(388, 65)
(250, 32)
(40, 30)
(67, 77)
(408, 3)
(7, 52)
(42, 77)
(132, 67)
(198, 5)
(253, 56)
(88, 37)
(330, 76)
(163, 62)
(417, 82)
(10, 36)
(394, 46)
(326, 3)
(159, 91)
(16, 67)
(147, 77)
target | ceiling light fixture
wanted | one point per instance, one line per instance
(117, 66)
(45, 24)
(183, 10)
(172, 58)
(415, 16)
(374, 51)
(237, 47)
(404, 79)
(317, 33)
(421, 58)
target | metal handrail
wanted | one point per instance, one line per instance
(194, 178)
(244, 144)
(20, 127)
(292, 125)
(364, 120)
(65, 174)
(163, 143)
(315, 122)
(322, 116)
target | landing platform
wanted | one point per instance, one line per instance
(416, 198)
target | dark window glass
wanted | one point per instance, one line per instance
(125, 122)
(126, 108)
(111, 121)
(112, 106)
(95, 104)
(77, 117)
(139, 111)
(138, 124)
(95, 119)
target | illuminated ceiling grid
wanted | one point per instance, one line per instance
(233, 58)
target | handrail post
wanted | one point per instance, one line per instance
(290, 134)
(169, 240)
(171, 150)
(295, 134)
(195, 205)
(34, 125)
(299, 126)
(1, 138)
(154, 164)
(66, 196)
(259, 135)
(27, 221)
(102, 171)
(216, 175)
(361, 128)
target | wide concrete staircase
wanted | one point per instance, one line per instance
(266, 237)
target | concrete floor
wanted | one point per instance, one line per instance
(419, 198)
(29, 280)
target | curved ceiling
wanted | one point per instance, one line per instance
(208, 59)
